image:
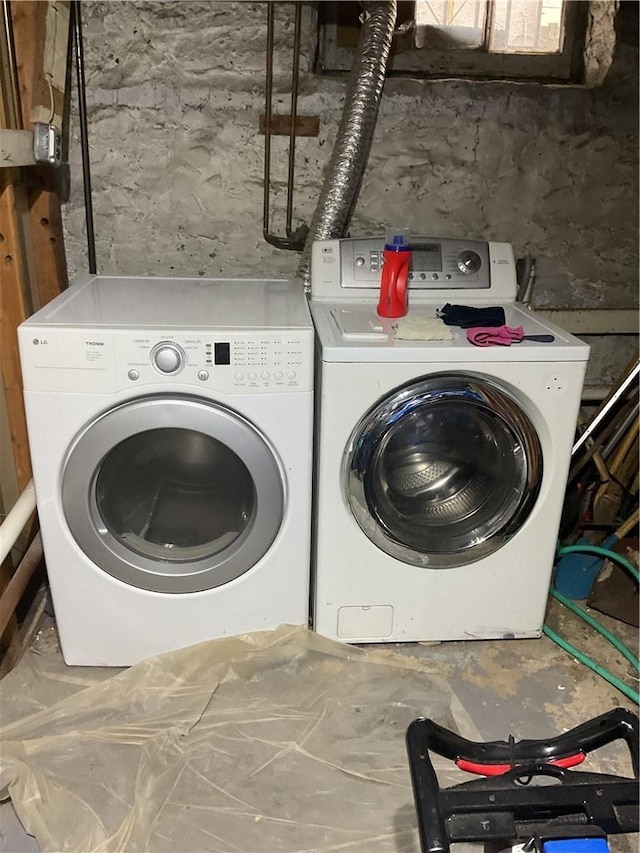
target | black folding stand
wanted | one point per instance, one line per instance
(510, 804)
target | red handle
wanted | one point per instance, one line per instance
(499, 769)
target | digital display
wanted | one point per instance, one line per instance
(222, 353)
(426, 257)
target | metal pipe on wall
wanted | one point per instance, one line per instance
(16, 519)
(355, 132)
(295, 82)
(294, 240)
(84, 135)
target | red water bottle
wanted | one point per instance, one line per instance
(394, 297)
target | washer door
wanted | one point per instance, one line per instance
(444, 471)
(173, 494)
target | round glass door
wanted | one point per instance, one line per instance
(444, 471)
(173, 494)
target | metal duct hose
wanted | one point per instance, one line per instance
(355, 133)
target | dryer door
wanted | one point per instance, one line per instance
(443, 471)
(173, 494)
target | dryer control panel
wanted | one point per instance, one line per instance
(229, 360)
(352, 267)
(224, 362)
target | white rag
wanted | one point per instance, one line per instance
(421, 329)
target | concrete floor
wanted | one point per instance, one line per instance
(527, 688)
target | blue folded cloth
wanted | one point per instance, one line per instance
(468, 317)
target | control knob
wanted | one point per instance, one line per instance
(469, 261)
(167, 357)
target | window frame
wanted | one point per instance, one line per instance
(337, 39)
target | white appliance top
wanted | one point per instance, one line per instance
(353, 332)
(142, 302)
(345, 287)
(108, 334)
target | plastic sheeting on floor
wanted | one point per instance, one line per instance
(273, 741)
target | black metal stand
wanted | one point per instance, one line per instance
(508, 805)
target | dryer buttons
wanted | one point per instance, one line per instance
(167, 357)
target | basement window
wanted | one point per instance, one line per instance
(537, 40)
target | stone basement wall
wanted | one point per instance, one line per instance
(174, 93)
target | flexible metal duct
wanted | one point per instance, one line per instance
(355, 133)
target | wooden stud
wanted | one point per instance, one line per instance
(31, 238)
(15, 299)
(13, 293)
(47, 235)
(41, 37)
(15, 306)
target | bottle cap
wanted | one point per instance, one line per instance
(397, 241)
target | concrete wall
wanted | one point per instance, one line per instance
(175, 90)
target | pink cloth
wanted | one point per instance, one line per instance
(495, 336)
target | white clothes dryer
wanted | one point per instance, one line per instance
(441, 466)
(170, 425)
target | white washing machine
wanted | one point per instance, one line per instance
(170, 424)
(441, 466)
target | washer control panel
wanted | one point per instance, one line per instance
(434, 263)
(351, 269)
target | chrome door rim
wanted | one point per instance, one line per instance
(98, 438)
(369, 440)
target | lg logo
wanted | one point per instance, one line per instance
(38, 341)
